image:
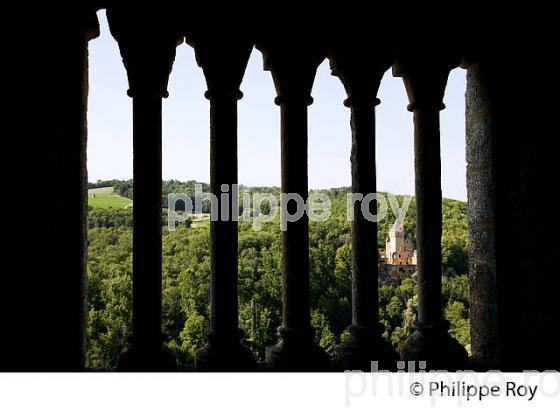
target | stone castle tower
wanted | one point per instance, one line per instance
(399, 250)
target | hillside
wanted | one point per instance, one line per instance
(106, 198)
(186, 281)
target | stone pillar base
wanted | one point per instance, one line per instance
(224, 356)
(366, 345)
(434, 345)
(297, 351)
(147, 360)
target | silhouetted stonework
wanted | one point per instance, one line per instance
(511, 173)
(481, 201)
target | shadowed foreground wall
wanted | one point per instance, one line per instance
(512, 175)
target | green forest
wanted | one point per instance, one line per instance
(186, 277)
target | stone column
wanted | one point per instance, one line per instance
(361, 76)
(59, 309)
(43, 308)
(148, 58)
(425, 79)
(483, 293)
(223, 62)
(293, 71)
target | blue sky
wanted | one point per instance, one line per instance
(186, 126)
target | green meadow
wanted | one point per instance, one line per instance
(106, 198)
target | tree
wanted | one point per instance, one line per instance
(186, 280)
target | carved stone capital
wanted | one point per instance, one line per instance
(147, 42)
(293, 68)
(425, 77)
(360, 72)
(223, 59)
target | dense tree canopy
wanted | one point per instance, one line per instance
(186, 270)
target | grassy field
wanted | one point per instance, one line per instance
(201, 224)
(106, 198)
(205, 222)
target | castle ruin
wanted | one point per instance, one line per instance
(398, 260)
